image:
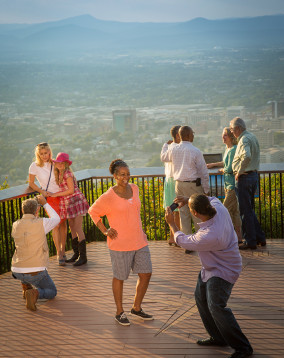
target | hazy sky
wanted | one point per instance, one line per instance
(31, 11)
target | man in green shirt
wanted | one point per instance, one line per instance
(245, 166)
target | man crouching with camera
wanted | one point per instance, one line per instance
(217, 245)
(30, 260)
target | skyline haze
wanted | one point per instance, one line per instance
(37, 11)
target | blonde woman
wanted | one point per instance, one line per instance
(42, 169)
(73, 206)
(230, 201)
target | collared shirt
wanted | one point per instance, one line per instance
(169, 173)
(229, 178)
(217, 245)
(247, 154)
(48, 225)
(188, 163)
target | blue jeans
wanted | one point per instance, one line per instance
(245, 189)
(42, 282)
(211, 299)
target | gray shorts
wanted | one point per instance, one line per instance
(123, 261)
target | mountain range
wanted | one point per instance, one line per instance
(86, 33)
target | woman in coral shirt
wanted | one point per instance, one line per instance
(126, 240)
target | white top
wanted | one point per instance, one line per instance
(188, 163)
(42, 175)
(48, 225)
(168, 165)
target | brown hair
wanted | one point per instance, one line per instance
(58, 177)
(174, 131)
(231, 135)
(115, 164)
(185, 132)
(201, 204)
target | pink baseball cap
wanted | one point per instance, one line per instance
(62, 157)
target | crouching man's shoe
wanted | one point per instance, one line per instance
(210, 342)
(242, 354)
(31, 298)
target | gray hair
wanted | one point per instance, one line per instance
(238, 122)
(29, 206)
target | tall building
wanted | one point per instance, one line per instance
(124, 121)
(235, 111)
(277, 108)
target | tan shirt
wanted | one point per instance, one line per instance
(31, 249)
(247, 156)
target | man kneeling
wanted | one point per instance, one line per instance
(30, 260)
(217, 246)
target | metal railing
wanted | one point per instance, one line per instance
(268, 204)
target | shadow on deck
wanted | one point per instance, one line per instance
(79, 322)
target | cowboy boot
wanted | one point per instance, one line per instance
(75, 249)
(31, 298)
(26, 286)
(83, 254)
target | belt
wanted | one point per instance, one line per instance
(33, 273)
(250, 171)
(188, 181)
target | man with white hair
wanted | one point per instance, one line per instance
(245, 166)
(30, 260)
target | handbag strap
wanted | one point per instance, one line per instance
(49, 177)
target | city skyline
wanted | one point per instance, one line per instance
(36, 11)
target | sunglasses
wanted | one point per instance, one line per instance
(43, 144)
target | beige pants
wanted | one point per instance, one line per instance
(187, 189)
(231, 203)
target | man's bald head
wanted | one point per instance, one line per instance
(186, 133)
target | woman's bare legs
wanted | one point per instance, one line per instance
(62, 236)
(77, 231)
(56, 240)
(76, 227)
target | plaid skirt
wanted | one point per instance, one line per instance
(73, 205)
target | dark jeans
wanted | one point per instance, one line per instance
(245, 189)
(211, 299)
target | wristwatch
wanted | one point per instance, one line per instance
(106, 232)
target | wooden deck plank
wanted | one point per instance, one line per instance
(79, 322)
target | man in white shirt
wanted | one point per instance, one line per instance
(189, 171)
(30, 260)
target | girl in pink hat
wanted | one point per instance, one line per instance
(73, 206)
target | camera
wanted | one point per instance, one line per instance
(173, 206)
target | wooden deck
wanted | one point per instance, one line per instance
(79, 322)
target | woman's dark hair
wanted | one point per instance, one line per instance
(201, 204)
(115, 164)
